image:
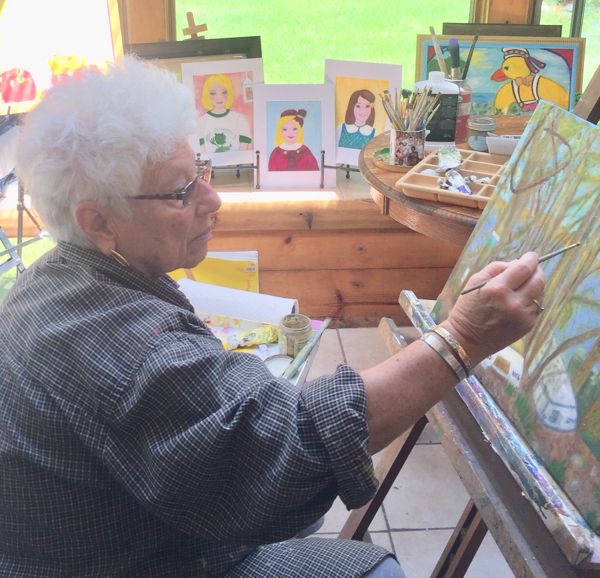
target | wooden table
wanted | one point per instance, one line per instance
(440, 221)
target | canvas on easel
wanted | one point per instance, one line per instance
(548, 383)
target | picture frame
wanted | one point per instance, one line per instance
(494, 29)
(358, 85)
(224, 96)
(287, 162)
(61, 50)
(548, 69)
(171, 55)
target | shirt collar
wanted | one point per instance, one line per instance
(164, 288)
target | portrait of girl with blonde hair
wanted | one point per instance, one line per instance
(290, 154)
(222, 129)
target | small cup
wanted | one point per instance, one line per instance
(407, 147)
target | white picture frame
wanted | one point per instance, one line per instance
(314, 104)
(226, 138)
(356, 84)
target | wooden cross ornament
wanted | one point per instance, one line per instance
(194, 28)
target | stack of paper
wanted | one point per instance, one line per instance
(236, 269)
(210, 301)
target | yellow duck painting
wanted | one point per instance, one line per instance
(526, 86)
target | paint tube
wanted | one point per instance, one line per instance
(429, 172)
(481, 181)
(457, 181)
(449, 157)
(444, 185)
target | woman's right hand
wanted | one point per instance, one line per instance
(501, 312)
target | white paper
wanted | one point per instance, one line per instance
(258, 307)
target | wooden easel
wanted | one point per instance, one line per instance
(496, 502)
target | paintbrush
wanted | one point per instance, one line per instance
(303, 354)
(438, 52)
(454, 50)
(541, 260)
(470, 55)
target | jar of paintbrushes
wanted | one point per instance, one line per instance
(409, 118)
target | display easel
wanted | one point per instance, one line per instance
(237, 168)
(342, 167)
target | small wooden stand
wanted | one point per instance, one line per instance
(193, 28)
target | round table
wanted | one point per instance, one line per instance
(442, 221)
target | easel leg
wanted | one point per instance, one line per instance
(463, 544)
(392, 460)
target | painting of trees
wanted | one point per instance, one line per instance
(548, 198)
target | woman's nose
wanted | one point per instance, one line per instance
(210, 201)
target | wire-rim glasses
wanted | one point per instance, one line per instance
(184, 194)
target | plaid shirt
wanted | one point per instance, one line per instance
(133, 444)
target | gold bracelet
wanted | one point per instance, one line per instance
(458, 348)
(445, 354)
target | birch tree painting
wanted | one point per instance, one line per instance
(548, 383)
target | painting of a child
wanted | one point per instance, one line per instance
(222, 129)
(290, 154)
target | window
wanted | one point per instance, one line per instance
(297, 37)
(578, 18)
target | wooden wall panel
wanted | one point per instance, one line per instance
(258, 214)
(368, 249)
(354, 298)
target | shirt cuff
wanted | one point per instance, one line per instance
(338, 406)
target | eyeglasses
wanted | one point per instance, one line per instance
(185, 194)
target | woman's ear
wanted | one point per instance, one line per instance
(96, 222)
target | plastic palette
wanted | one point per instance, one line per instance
(414, 184)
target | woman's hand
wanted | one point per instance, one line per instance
(491, 318)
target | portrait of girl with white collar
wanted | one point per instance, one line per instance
(357, 130)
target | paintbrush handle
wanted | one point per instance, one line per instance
(540, 260)
(305, 351)
(438, 52)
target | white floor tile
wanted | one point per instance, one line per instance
(419, 551)
(429, 436)
(329, 355)
(382, 539)
(489, 562)
(427, 493)
(338, 514)
(363, 347)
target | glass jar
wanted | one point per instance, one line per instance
(465, 95)
(294, 331)
(477, 132)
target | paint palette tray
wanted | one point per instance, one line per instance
(414, 184)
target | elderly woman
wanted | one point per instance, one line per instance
(131, 443)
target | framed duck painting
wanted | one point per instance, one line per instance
(511, 75)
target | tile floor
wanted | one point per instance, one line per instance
(427, 499)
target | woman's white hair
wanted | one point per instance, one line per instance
(92, 139)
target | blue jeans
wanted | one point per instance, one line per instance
(387, 568)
